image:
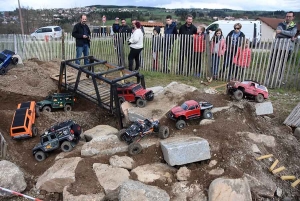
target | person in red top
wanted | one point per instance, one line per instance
(217, 49)
(242, 59)
(199, 47)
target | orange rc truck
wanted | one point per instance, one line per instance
(22, 125)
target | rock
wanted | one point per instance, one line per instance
(136, 191)
(206, 122)
(287, 199)
(264, 108)
(152, 172)
(297, 133)
(217, 171)
(183, 174)
(255, 149)
(124, 107)
(67, 196)
(210, 91)
(11, 177)
(121, 162)
(259, 138)
(110, 178)
(157, 90)
(261, 185)
(99, 131)
(61, 174)
(212, 163)
(219, 109)
(183, 151)
(279, 192)
(185, 191)
(230, 190)
(267, 118)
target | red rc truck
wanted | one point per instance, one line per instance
(190, 109)
(249, 89)
(132, 92)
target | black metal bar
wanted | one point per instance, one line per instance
(111, 70)
(61, 70)
(117, 108)
(125, 77)
(142, 80)
(77, 80)
(96, 90)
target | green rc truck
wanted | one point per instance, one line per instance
(65, 135)
(57, 101)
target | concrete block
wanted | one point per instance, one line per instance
(264, 108)
(183, 151)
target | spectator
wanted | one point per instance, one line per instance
(169, 38)
(82, 34)
(284, 43)
(156, 43)
(186, 31)
(120, 38)
(133, 21)
(233, 40)
(136, 45)
(199, 48)
(242, 59)
(116, 25)
(217, 49)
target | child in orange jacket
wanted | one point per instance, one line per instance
(199, 48)
(242, 58)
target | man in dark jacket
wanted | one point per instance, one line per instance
(116, 26)
(169, 38)
(187, 31)
(120, 38)
(82, 34)
(234, 39)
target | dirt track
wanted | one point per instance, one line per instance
(231, 150)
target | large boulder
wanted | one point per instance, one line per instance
(110, 178)
(99, 131)
(61, 174)
(186, 150)
(121, 162)
(185, 191)
(229, 190)
(137, 191)
(260, 138)
(151, 172)
(261, 185)
(11, 177)
(67, 196)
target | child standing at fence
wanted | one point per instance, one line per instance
(242, 60)
(156, 43)
(199, 48)
(217, 49)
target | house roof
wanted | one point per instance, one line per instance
(152, 24)
(273, 22)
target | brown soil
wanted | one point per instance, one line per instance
(230, 149)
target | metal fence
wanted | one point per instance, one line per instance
(3, 147)
(268, 62)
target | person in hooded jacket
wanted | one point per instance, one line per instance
(156, 46)
(170, 32)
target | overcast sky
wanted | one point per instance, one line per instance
(271, 5)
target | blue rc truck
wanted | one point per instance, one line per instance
(6, 58)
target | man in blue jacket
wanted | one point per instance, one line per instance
(82, 34)
(170, 36)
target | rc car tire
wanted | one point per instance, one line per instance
(34, 130)
(134, 148)
(121, 100)
(46, 109)
(37, 112)
(66, 146)
(163, 132)
(141, 103)
(259, 98)
(3, 71)
(14, 60)
(238, 95)
(207, 114)
(120, 134)
(180, 124)
(68, 108)
(40, 156)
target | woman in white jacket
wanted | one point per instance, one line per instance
(136, 46)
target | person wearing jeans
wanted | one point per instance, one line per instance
(82, 34)
(136, 46)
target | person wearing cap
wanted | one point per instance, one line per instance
(136, 46)
(116, 26)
